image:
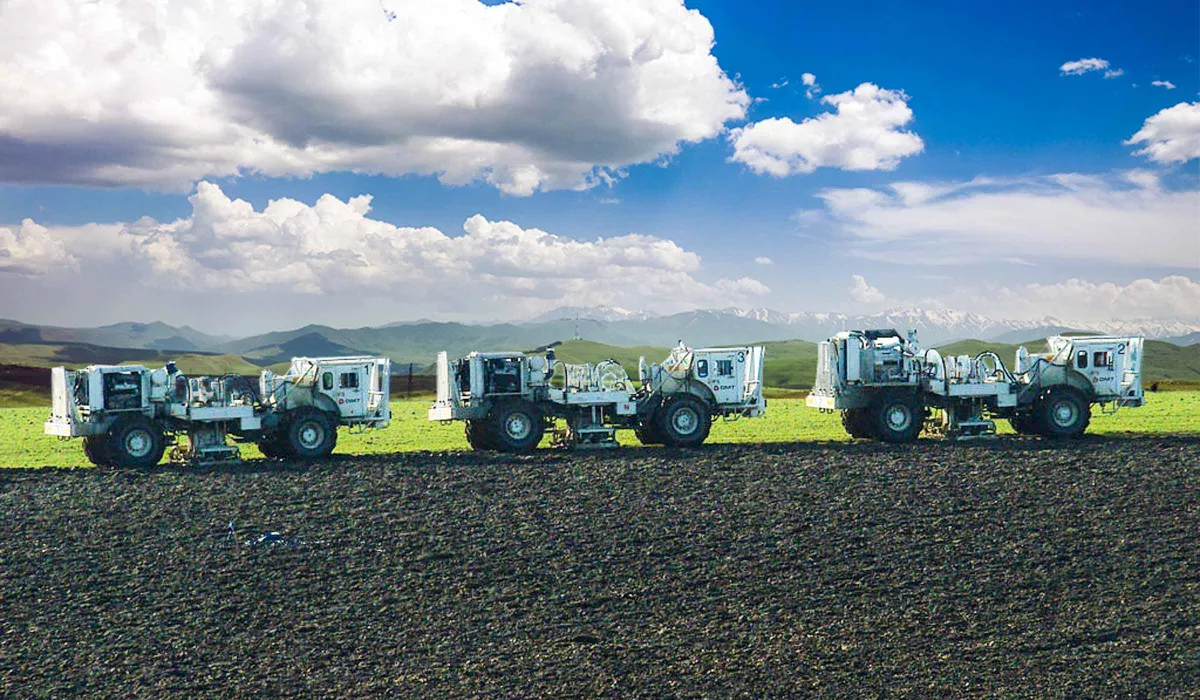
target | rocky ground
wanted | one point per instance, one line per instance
(1016, 567)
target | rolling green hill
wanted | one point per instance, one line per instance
(577, 351)
(80, 355)
(154, 336)
(791, 364)
(418, 342)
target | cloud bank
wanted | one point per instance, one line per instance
(545, 94)
(334, 249)
(1126, 221)
(1171, 296)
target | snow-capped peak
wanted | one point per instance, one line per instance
(604, 313)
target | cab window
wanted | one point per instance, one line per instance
(349, 380)
(1081, 359)
(724, 368)
(1101, 358)
(327, 381)
(702, 368)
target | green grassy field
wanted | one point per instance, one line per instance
(22, 443)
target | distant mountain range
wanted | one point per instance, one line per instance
(419, 341)
(150, 336)
(934, 326)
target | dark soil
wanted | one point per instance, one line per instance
(1013, 568)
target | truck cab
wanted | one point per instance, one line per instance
(1112, 366)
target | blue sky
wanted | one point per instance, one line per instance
(984, 84)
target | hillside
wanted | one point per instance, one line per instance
(418, 342)
(308, 345)
(75, 355)
(791, 364)
(155, 335)
(577, 351)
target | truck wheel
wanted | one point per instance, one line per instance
(647, 434)
(273, 448)
(310, 434)
(478, 436)
(516, 427)
(684, 422)
(1024, 424)
(95, 447)
(1063, 413)
(856, 421)
(135, 444)
(896, 418)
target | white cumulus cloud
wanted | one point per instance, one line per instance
(864, 293)
(334, 249)
(1083, 65)
(864, 133)
(30, 249)
(540, 94)
(1172, 296)
(1170, 136)
(1127, 220)
(742, 287)
(1109, 74)
(1164, 84)
(764, 260)
(810, 82)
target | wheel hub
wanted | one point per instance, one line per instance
(898, 418)
(311, 435)
(685, 421)
(1064, 413)
(137, 443)
(518, 426)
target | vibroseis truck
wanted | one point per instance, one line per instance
(128, 414)
(510, 399)
(888, 388)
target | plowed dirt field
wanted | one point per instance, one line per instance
(1017, 567)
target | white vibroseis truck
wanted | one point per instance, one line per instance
(509, 399)
(128, 415)
(889, 389)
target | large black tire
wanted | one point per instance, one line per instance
(684, 421)
(311, 434)
(135, 443)
(1024, 424)
(897, 417)
(647, 433)
(273, 447)
(1062, 413)
(95, 447)
(516, 427)
(479, 435)
(857, 422)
